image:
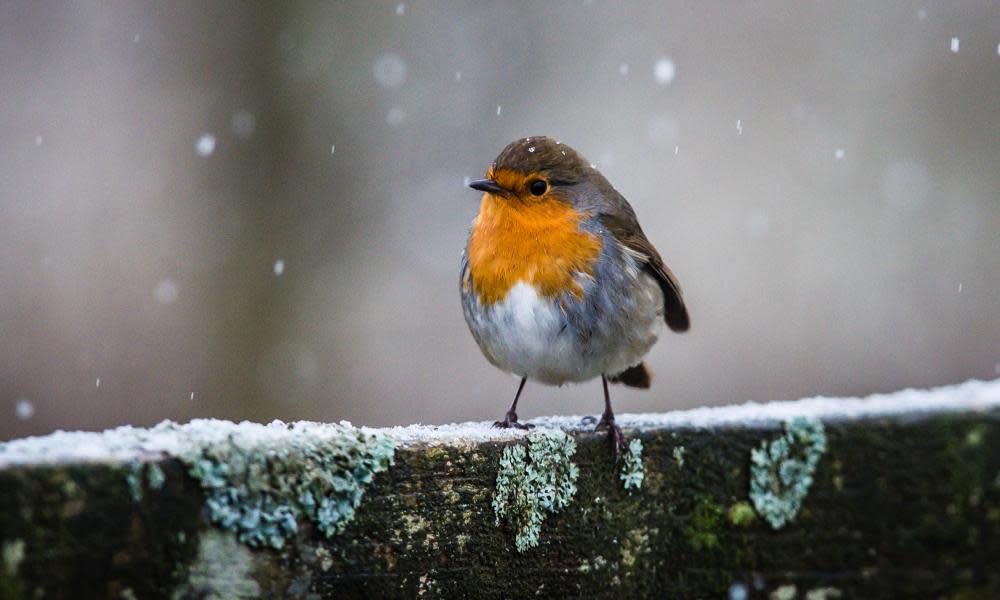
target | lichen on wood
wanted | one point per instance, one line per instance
(782, 470)
(260, 489)
(533, 481)
(632, 472)
(905, 502)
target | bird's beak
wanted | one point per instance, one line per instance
(486, 185)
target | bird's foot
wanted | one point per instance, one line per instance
(510, 421)
(615, 433)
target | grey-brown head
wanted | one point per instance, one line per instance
(537, 166)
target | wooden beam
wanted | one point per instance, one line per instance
(890, 496)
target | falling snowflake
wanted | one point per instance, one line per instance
(166, 291)
(279, 267)
(24, 409)
(664, 71)
(390, 71)
(205, 145)
(394, 116)
(243, 124)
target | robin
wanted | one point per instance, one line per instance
(559, 283)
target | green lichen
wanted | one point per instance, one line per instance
(781, 471)
(784, 592)
(741, 514)
(705, 525)
(260, 489)
(324, 558)
(679, 456)
(635, 545)
(632, 472)
(133, 478)
(155, 476)
(534, 481)
(223, 570)
(823, 593)
(12, 553)
(976, 435)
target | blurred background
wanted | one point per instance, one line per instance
(256, 210)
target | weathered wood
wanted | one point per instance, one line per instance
(900, 506)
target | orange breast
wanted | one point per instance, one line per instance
(538, 242)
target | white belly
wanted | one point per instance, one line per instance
(531, 336)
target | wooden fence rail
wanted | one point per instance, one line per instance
(894, 496)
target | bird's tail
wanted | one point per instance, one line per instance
(638, 377)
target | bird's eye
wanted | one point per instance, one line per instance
(538, 187)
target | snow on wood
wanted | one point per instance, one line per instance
(172, 439)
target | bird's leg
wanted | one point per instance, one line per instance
(608, 422)
(510, 419)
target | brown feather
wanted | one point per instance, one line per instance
(637, 377)
(624, 227)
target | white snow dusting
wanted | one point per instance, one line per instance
(955, 42)
(169, 438)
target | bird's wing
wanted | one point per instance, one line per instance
(623, 226)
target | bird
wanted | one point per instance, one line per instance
(559, 284)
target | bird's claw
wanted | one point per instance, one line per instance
(510, 421)
(615, 433)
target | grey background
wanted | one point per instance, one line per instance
(127, 256)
